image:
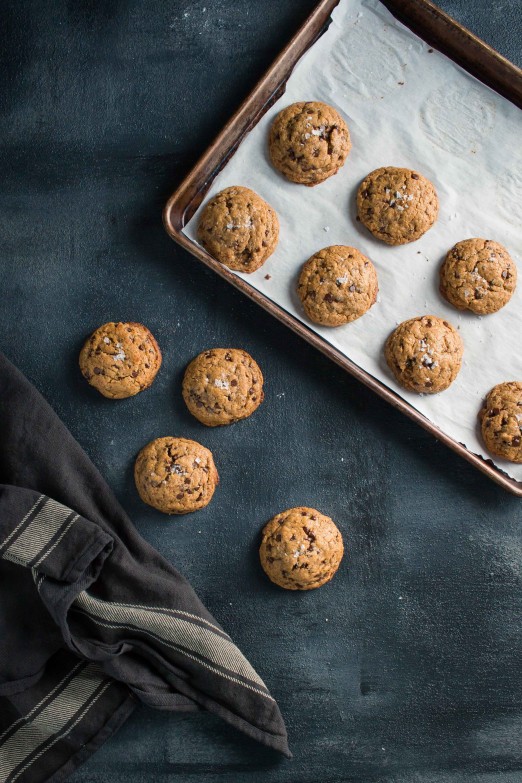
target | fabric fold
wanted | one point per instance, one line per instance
(98, 594)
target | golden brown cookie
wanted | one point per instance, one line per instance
(309, 142)
(337, 285)
(424, 354)
(239, 229)
(397, 205)
(501, 421)
(120, 359)
(175, 475)
(478, 275)
(222, 385)
(301, 549)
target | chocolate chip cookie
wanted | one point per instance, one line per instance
(478, 275)
(301, 549)
(120, 359)
(424, 354)
(175, 475)
(239, 229)
(309, 142)
(222, 385)
(501, 421)
(337, 285)
(397, 205)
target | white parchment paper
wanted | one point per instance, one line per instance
(406, 106)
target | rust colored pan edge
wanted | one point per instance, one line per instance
(438, 30)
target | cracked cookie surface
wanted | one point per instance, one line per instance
(478, 275)
(239, 229)
(175, 475)
(301, 549)
(337, 285)
(501, 421)
(309, 142)
(222, 385)
(424, 354)
(397, 205)
(120, 359)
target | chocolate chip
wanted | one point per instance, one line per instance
(516, 440)
(414, 175)
(98, 371)
(493, 412)
(328, 298)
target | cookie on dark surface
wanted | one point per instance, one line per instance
(222, 385)
(397, 205)
(424, 354)
(337, 285)
(301, 549)
(120, 359)
(478, 275)
(239, 229)
(501, 421)
(309, 142)
(175, 475)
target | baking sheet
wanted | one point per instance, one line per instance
(406, 105)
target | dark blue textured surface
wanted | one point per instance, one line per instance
(406, 668)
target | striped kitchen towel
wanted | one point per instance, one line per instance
(93, 619)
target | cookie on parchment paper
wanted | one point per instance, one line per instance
(478, 275)
(397, 205)
(309, 142)
(424, 354)
(337, 285)
(239, 229)
(501, 421)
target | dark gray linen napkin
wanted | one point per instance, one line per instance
(92, 618)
